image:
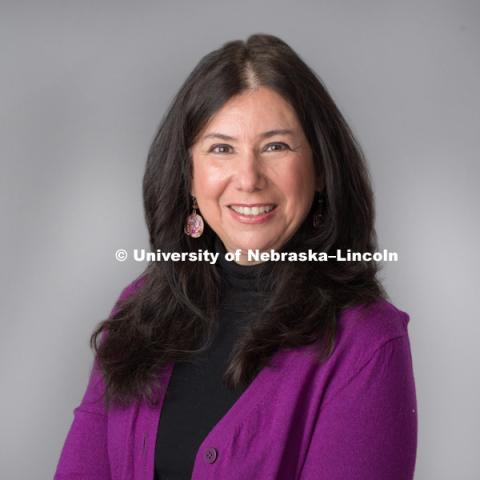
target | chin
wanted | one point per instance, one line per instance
(254, 240)
(257, 245)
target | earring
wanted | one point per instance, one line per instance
(194, 223)
(317, 217)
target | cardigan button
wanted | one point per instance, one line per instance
(210, 455)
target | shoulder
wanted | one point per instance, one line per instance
(371, 326)
(132, 287)
(371, 351)
(127, 291)
(370, 339)
(364, 333)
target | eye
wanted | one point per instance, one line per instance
(214, 148)
(278, 144)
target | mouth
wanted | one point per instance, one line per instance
(253, 210)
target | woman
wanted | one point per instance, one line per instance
(251, 369)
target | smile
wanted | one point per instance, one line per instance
(254, 210)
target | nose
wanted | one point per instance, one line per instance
(249, 175)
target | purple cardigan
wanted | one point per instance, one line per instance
(354, 417)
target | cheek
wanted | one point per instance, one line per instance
(298, 184)
(208, 184)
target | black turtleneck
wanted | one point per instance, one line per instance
(196, 397)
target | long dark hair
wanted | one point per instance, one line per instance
(172, 316)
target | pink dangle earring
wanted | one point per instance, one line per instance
(194, 224)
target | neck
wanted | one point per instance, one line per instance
(243, 285)
(239, 269)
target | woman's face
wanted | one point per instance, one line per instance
(253, 173)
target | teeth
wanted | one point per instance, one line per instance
(253, 210)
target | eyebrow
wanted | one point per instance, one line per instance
(267, 134)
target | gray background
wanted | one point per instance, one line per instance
(83, 86)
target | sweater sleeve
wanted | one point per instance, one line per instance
(368, 429)
(84, 454)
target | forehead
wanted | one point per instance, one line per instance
(252, 111)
